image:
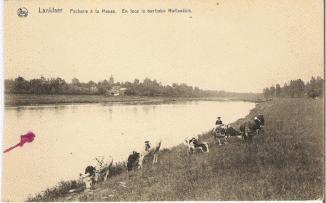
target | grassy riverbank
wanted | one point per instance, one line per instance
(31, 100)
(286, 163)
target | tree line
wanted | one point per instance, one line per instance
(147, 87)
(297, 88)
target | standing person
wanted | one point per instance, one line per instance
(218, 121)
(220, 131)
(219, 125)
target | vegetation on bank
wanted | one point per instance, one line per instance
(286, 163)
(148, 87)
(65, 187)
(297, 88)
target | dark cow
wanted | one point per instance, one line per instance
(90, 170)
(252, 127)
(133, 160)
(230, 131)
(88, 177)
(260, 118)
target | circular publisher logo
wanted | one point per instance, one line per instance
(22, 12)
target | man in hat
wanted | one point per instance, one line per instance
(219, 125)
(218, 121)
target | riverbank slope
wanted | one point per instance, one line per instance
(286, 163)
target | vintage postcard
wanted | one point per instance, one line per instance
(152, 100)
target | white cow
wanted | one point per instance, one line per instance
(193, 145)
(98, 170)
(103, 166)
(150, 149)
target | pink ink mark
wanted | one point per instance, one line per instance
(28, 137)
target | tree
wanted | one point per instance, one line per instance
(272, 91)
(266, 93)
(111, 80)
(320, 86)
(103, 86)
(21, 85)
(75, 82)
(285, 90)
(300, 87)
(9, 85)
(136, 81)
(277, 90)
(315, 87)
(297, 88)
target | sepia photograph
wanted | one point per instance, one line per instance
(109, 100)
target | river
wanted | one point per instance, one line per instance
(69, 136)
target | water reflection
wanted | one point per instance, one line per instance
(19, 112)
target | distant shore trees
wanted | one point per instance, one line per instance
(297, 88)
(147, 87)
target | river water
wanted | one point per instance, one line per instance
(69, 136)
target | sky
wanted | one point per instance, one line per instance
(239, 45)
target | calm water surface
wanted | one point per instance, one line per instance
(69, 136)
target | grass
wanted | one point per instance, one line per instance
(64, 187)
(52, 193)
(286, 163)
(31, 99)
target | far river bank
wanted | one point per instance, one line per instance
(15, 100)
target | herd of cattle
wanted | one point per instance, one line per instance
(100, 170)
(246, 131)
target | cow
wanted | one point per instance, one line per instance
(224, 131)
(219, 133)
(133, 160)
(99, 170)
(103, 166)
(261, 121)
(252, 127)
(194, 144)
(247, 130)
(230, 132)
(88, 176)
(149, 149)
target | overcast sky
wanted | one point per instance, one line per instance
(237, 45)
